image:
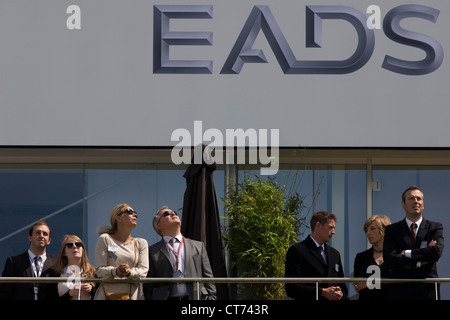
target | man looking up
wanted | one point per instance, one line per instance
(178, 257)
(31, 263)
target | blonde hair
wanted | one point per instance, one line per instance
(112, 220)
(62, 261)
(380, 221)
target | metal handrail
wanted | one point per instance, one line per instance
(197, 281)
(218, 280)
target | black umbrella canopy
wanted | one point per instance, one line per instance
(200, 220)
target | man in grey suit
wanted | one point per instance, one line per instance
(178, 257)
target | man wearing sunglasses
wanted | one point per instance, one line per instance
(178, 257)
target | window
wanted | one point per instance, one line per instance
(29, 194)
(77, 200)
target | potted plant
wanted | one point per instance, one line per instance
(265, 220)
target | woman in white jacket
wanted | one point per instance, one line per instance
(119, 255)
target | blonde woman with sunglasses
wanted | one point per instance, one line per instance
(118, 255)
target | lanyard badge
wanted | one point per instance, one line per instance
(178, 273)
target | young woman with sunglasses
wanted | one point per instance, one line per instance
(119, 255)
(72, 261)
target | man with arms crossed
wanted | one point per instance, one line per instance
(411, 250)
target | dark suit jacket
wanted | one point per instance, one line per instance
(20, 266)
(303, 260)
(398, 238)
(196, 266)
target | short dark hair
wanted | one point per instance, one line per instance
(409, 189)
(322, 217)
(36, 224)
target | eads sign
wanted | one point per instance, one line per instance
(262, 19)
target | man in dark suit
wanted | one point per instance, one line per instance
(313, 258)
(177, 256)
(31, 263)
(412, 248)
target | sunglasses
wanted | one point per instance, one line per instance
(168, 213)
(129, 211)
(70, 245)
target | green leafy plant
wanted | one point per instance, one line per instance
(265, 220)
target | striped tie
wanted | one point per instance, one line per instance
(38, 265)
(413, 231)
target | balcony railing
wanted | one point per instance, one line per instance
(197, 281)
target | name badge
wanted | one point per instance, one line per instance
(112, 249)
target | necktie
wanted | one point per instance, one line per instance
(413, 231)
(175, 245)
(322, 253)
(178, 289)
(37, 264)
(37, 267)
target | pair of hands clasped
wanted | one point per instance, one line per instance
(83, 287)
(332, 293)
(123, 270)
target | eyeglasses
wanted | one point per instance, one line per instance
(70, 245)
(129, 211)
(168, 213)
